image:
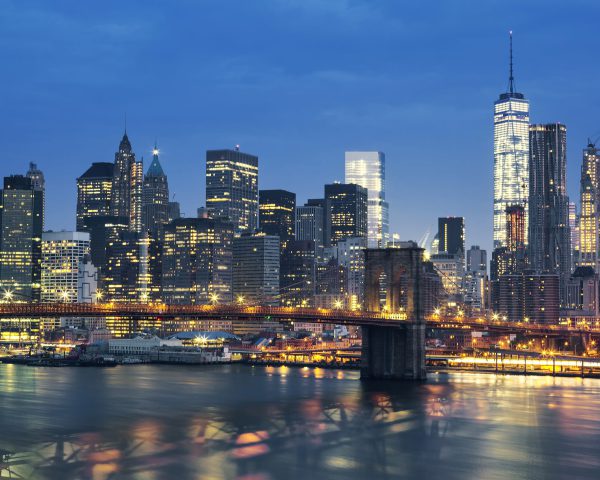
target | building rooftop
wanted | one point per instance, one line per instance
(99, 170)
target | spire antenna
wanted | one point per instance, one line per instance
(511, 78)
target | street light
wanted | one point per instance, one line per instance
(8, 295)
(214, 298)
(240, 299)
(338, 304)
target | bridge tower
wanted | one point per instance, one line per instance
(394, 284)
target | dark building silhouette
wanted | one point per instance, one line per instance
(451, 235)
(104, 231)
(298, 274)
(346, 208)
(94, 189)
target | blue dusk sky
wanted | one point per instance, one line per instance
(296, 82)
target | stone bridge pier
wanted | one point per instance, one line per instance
(393, 284)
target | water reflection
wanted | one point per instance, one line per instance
(238, 422)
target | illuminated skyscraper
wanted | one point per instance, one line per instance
(155, 198)
(451, 235)
(277, 215)
(256, 269)
(588, 217)
(94, 192)
(62, 253)
(511, 156)
(197, 261)
(232, 188)
(309, 226)
(549, 234)
(345, 212)
(367, 169)
(126, 193)
(21, 220)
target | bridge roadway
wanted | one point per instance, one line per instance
(283, 314)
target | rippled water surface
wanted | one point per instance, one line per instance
(259, 423)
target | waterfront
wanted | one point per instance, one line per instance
(242, 422)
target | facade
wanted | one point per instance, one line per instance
(309, 226)
(574, 230)
(104, 232)
(451, 235)
(549, 234)
(21, 225)
(232, 188)
(367, 169)
(511, 156)
(451, 270)
(62, 253)
(542, 298)
(588, 216)
(126, 192)
(94, 189)
(174, 211)
(132, 271)
(583, 290)
(476, 280)
(256, 269)
(87, 281)
(345, 212)
(351, 256)
(39, 183)
(155, 198)
(277, 215)
(298, 274)
(197, 261)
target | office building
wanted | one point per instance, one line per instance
(21, 225)
(476, 280)
(549, 234)
(126, 193)
(197, 261)
(542, 298)
(232, 188)
(94, 189)
(345, 212)
(451, 269)
(155, 198)
(367, 169)
(298, 274)
(174, 211)
(511, 155)
(39, 183)
(583, 290)
(574, 230)
(87, 282)
(256, 269)
(309, 226)
(277, 215)
(589, 216)
(451, 235)
(132, 272)
(104, 232)
(62, 253)
(351, 256)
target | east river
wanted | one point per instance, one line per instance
(263, 423)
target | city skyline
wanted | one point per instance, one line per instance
(363, 112)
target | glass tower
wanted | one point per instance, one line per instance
(277, 215)
(93, 192)
(155, 198)
(232, 188)
(367, 169)
(511, 156)
(588, 218)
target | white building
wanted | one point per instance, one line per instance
(511, 156)
(87, 281)
(350, 254)
(139, 345)
(62, 253)
(367, 169)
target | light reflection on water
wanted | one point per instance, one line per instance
(240, 422)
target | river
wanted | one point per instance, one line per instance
(264, 423)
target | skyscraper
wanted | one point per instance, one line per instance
(588, 217)
(62, 253)
(549, 235)
(345, 212)
(94, 192)
(277, 215)
(367, 169)
(298, 274)
(197, 261)
(126, 192)
(232, 188)
(451, 235)
(309, 226)
(511, 155)
(256, 269)
(39, 183)
(21, 225)
(155, 198)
